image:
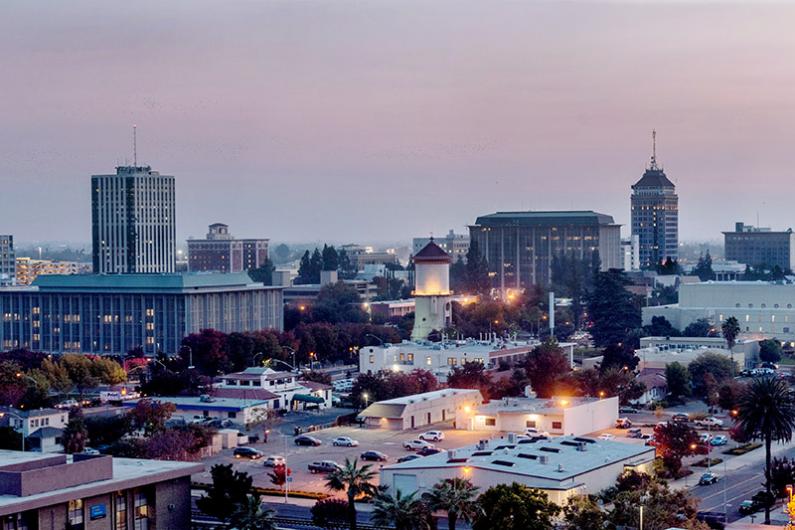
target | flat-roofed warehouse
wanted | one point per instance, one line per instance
(561, 467)
(411, 412)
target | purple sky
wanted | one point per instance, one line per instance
(382, 120)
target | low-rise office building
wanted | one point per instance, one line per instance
(571, 416)
(560, 467)
(760, 247)
(420, 410)
(219, 251)
(441, 357)
(111, 314)
(96, 492)
(763, 309)
(657, 352)
(28, 269)
(239, 411)
(282, 389)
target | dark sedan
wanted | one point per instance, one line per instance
(374, 456)
(307, 440)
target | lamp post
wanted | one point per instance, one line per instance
(254, 360)
(190, 357)
(365, 396)
(295, 367)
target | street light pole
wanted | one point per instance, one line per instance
(293, 352)
(254, 360)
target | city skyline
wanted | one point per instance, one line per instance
(291, 134)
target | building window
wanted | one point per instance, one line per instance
(141, 511)
(74, 514)
(231, 415)
(530, 424)
(372, 359)
(428, 360)
(402, 356)
(452, 361)
(120, 522)
(557, 425)
(490, 422)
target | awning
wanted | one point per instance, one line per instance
(306, 398)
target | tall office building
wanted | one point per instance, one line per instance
(221, 252)
(760, 247)
(655, 214)
(133, 221)
(7, 261)
(520, 247)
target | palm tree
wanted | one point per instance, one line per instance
(456, 496)
(767, 411)
(250, 515)
(730, 329)
(405, 512)
(354, 481)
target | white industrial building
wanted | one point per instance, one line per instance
(420, 410)
(561, 467)
(571, 416)
(441, 357)
(763, 309)
(657, 352)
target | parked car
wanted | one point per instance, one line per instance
(769, 366)
(710, 422)
(623, 423)
(635, 432)
(719, 440)
(757, 502)
(247, 452)
(432, 436)
(428, 451)
(413, 445)
(274, 460)
(408, 458)
(627, 410)
(606, 436)
(704, 437)
(680, 416)
(532, 432)
(374, 456)
(90, 451)
(707, 479)
(305, 439)
(651, 442)
(345, 441)
(68, 404)
(324, 466)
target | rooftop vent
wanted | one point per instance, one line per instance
(560, 468)
(550, 449)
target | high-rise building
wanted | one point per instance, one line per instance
(655, 214)
(520, 247)
(760, 247)
(133, 221)
(456, 245)
(7, 260)
(220, 252)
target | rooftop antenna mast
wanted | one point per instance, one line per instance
(135, 146)
(653, 149)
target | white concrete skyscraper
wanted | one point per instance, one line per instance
(133, 221)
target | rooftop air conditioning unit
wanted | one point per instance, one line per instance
(511, 438)
(543, 459)
(560, 468)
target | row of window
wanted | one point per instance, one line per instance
(76, 516)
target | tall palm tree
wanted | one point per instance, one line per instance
(767, 412)
(405, 512)
(456, 496)
(250, 515)
(354, 481)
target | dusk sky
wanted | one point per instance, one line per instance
(381, 120)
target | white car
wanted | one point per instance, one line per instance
(413, 445)
(273, 461)
(432, 436)
(710, 422)
(606, 436)
(704, 437)
(533, 432)
(345, 441)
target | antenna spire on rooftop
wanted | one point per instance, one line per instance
(135, 146)
(653, 149)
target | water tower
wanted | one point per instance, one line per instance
(433, 310)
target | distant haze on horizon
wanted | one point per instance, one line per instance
(379, 121)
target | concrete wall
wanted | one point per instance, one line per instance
(173, 504)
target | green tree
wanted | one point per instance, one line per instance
(456, 496)
(677, 380)
(611, 309)
(546, 365)
(770, 350)
(767, 412)
(330, 257)
(478, 281)
(229, 491)
(107, 371)
(315, 265)
(660, 327)
(703, 268)
(251, 515)
(469, 375)
(57, 375)
(10, 439)
(729, 394)
(709, 367)
(338, 302)
(699, 328)
(515, 507)
(75, 433)
(662, 508)
(330, 513)
(354, 481)
(263, 273)
(305, 274)
(583, 513)
(404, 512)
(80, 372)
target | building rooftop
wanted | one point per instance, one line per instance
(145, 282)
(432, 252)
(123, 473)
(523, 405)
(436, 394)
(550, 462)
(530, 218)
(197, 402)
(653, 178)
(34, 413)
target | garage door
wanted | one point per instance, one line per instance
(405, 483)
